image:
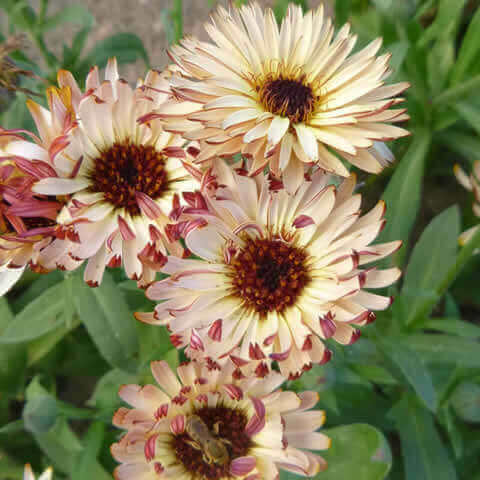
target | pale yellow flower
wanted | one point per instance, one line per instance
(288, 96)
(207, 424)
(276, 274)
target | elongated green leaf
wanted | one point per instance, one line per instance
(86, 464)
(105, 314)
(425, 456)
(444, 349)
(433, 256)
(412, 369)
(126, 47)
(72, 14)
(12, 427)
(455, 326)
(458, 92)
(353, 446)
(469, 51)
(470, 113)
(40, 316)
(463, 143)
(402, 195)
(466, 401)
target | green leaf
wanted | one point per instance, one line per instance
(454, 326)
(39, 347)
(126, 47)
(40, 316)
(40, 414)
(466, 401)
(106, 316)
(86, 465)
(105, 395)
(445, 23)
(470, 113)
(76, 14)
(433, 256)
(412, 369)
(358, 451)
(425, 457)
(465, 144)
(435, 348)
(469, 51)
(13, 427)
(458, 92)
(402, 195)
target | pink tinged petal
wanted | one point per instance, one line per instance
(60, 186)
(148, 206)
(372, 301)
(196, 342)
(255, 425)
(128, 471)
(259, 407)
(164, 376)
(161, 411)
(311, 441)
(125, 230)
(177, 425)
(303, 221)
(215, 331)
(234, 392)
(242, 466)
(308, 400)
(149, 448)
(307, 141)
(327, 324)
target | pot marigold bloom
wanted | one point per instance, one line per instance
(120, 176)
(287, 96)
(471, 183)
(277, 273)
(29, 232)
(205, 424)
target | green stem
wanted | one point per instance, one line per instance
(459, 91)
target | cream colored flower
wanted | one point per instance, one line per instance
(120, 176)
(288, 96)
(276, 273)
(29, 232)
(205, 424)
(472, 183)
(29, 475)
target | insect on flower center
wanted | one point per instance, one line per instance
(269, 274)
(212, 439)
(292, 98)
(126, 168)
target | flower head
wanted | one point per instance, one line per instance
(286, 96)
(472, 183)
(118, 177)
(206, 424)
(277, 273)
(29, 231)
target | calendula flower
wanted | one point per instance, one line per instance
(29, 475)
(118, 176)
(287, 96)
(29, 232)
(276, 273)
(471, 183)
(206, 424)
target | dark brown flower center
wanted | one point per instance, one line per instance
(289, 98)
(225, 425)
(126, 168)
(269, 274)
